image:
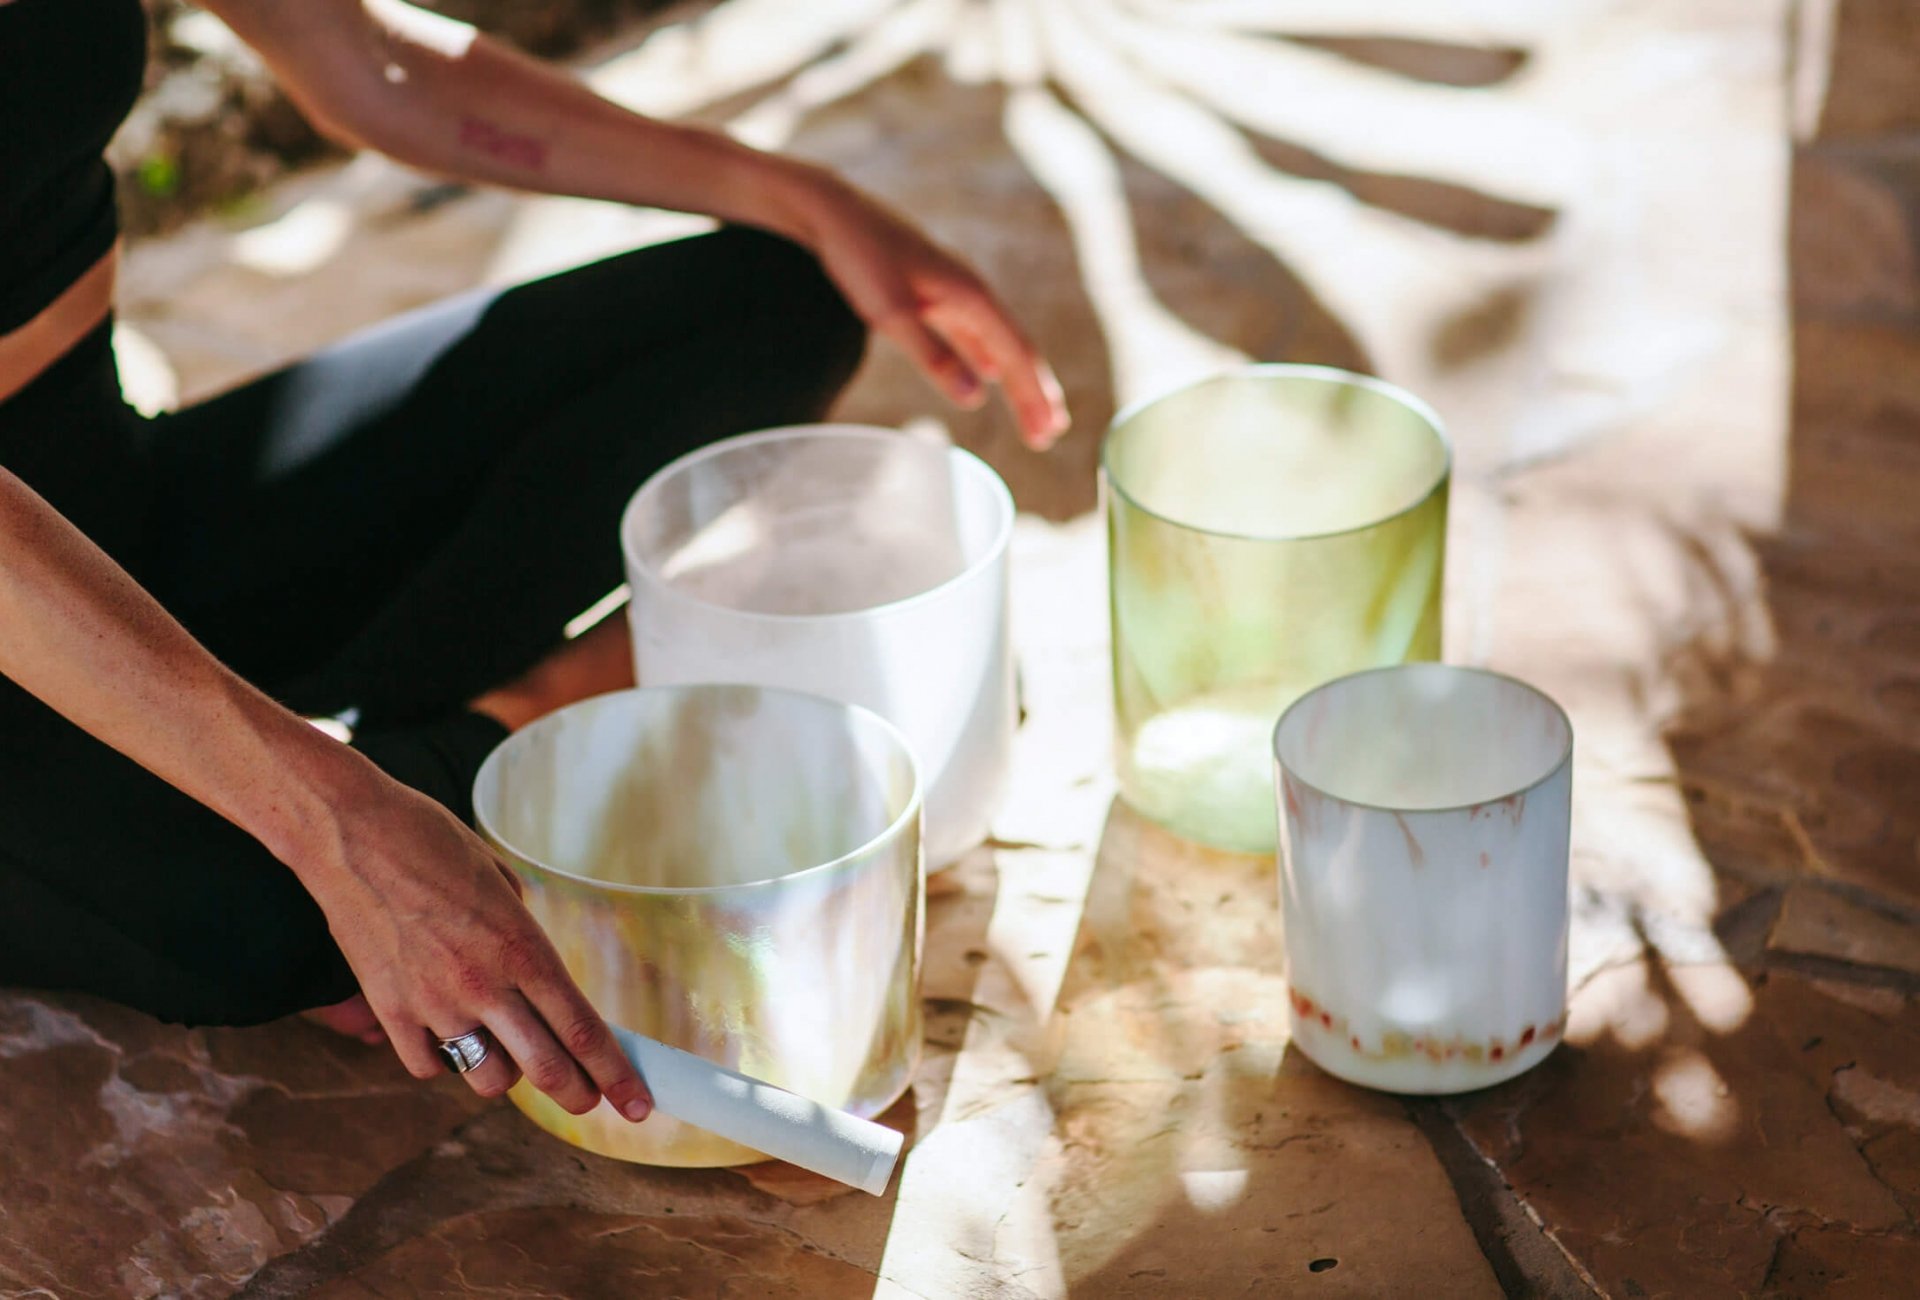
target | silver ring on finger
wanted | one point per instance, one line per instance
(464, 1053)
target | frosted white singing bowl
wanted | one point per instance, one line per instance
(848, 562)
(1423, 875)
(734, 871)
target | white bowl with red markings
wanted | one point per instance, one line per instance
(1424, 825)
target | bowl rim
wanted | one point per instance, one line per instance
(995, 554)
(1292, 371)
(909, 813)
(1552, 771)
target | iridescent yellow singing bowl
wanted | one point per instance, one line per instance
(733, 870)
(1268, 529)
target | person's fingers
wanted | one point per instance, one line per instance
(544, 1062)
(357, 1018)
(957, 328)
(972, 348)
(352, 1017)
(952, 375)
(585, 1036)
(992, 344)
(412, 1043)
(1025, 381)
(495, 1074)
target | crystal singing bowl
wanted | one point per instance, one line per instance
(848, 562)
(1268, 529)
(734, 871)
(1423, 875)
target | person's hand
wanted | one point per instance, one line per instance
(930, 303)
(432, 924)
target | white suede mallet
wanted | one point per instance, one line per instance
(756, 1114)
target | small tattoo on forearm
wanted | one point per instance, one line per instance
(489, 138)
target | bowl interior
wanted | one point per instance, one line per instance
(816, 520)
(1423, 737)
(1278, 452)
(697, 787)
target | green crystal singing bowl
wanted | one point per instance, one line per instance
(733, 870)
(1268, 529)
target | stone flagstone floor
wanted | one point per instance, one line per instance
(1655, 262)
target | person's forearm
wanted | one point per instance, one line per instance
(80, 634)
(450, 100)
(434, 93)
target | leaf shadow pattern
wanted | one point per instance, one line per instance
(1199, 1152)
(1749, 1118)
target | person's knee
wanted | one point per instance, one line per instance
(768, 299)
(803, 303)
(244, 989)
(277, 957)
(272, 989)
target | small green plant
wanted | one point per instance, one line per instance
(159, 174)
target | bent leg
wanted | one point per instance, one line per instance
(114, 883)
(401, 551)
(412, 517)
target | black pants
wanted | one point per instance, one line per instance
(393, 526)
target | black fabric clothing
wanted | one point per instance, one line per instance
(69, 72)
(394, 526)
